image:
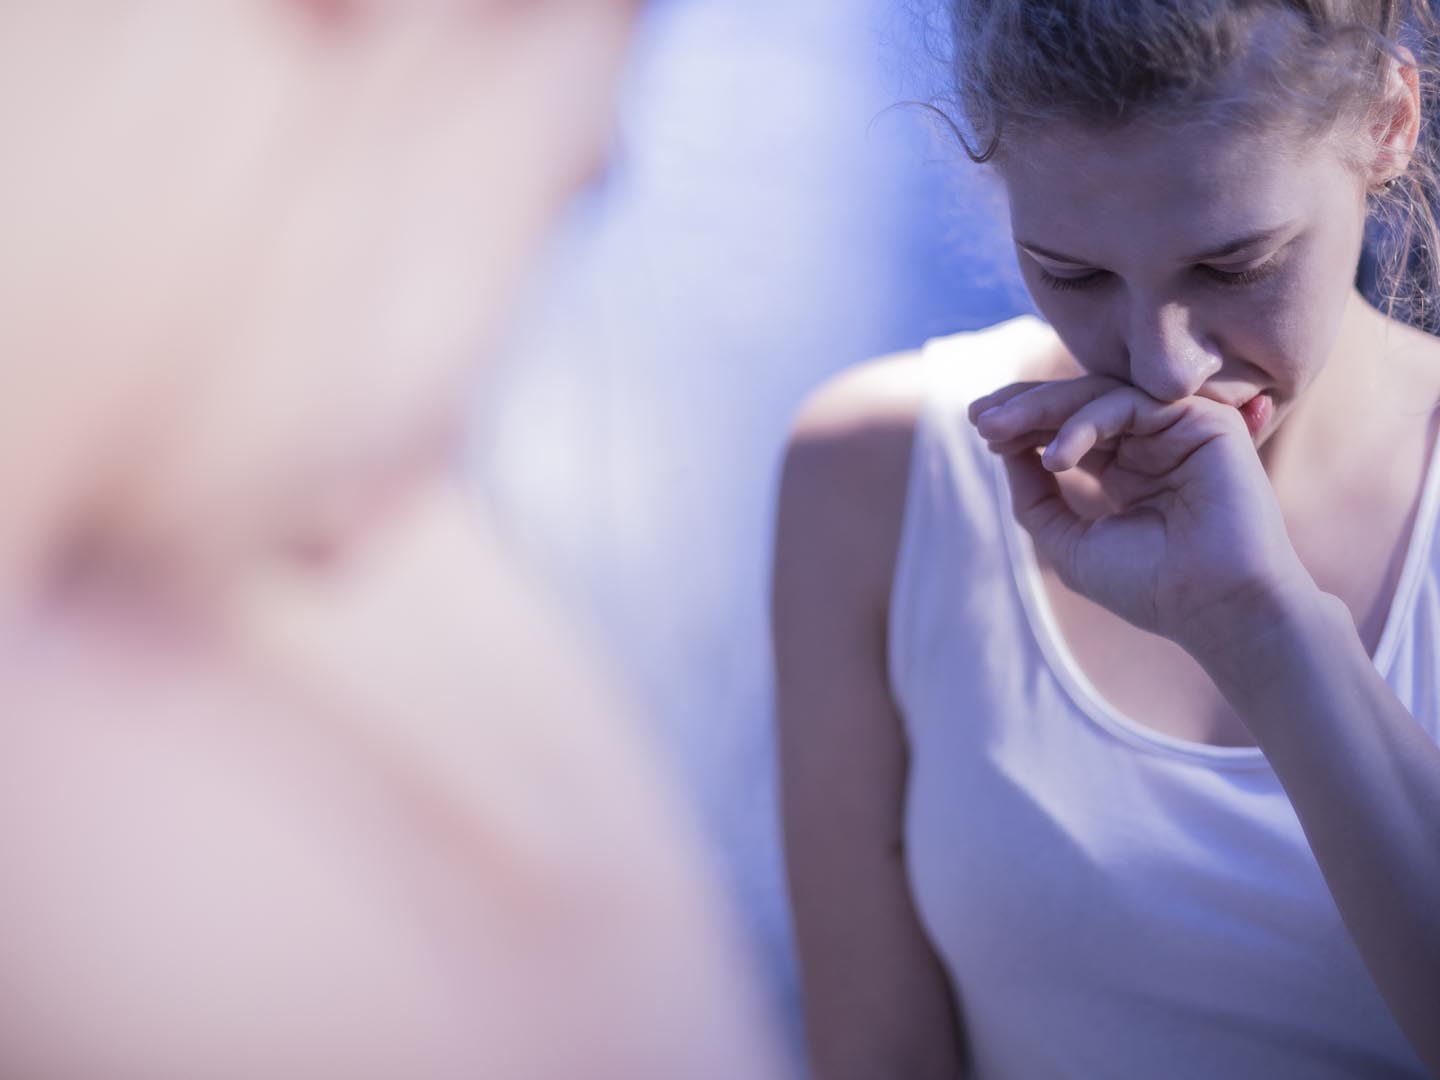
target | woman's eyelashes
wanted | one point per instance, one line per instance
(1212, 274)
(1063, 284)
(1241, 277)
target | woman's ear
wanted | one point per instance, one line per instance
(1397, 128)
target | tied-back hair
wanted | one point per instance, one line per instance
(1321, 66)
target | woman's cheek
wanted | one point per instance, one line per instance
(1087, 332)
(1289, 332)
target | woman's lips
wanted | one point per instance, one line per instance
(1257, 412)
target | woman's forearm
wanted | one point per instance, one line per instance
(1364, 779)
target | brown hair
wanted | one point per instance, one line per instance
(1106, 64)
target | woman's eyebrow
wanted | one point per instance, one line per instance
(1230, 247)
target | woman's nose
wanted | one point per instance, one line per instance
(1168, 358)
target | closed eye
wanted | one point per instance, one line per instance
(1221, 277)
(1241, 277)
(1084, 281)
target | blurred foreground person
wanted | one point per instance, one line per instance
(298, 777)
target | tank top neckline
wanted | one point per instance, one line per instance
(1062, 663)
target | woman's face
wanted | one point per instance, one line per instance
(1189, 259)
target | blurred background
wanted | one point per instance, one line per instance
(769, 217)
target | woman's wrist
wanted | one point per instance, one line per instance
(1273, 636)
(1230, 636)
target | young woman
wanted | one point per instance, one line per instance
(1120, 758)
(300, 776)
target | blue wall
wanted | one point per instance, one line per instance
(766, 222)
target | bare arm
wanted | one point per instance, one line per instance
(1364, 779)
(878, 1004)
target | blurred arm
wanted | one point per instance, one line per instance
(878, 1004)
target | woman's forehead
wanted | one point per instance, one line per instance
(1193, 161)
(1182, 188)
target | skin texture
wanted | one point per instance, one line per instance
(1203, 565)
(303, 778)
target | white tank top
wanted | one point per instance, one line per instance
(1109, 901)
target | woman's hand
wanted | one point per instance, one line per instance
(1194, 541)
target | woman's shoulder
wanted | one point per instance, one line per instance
(856, 428)
(886, 393)
(844, 482)
(962, 367)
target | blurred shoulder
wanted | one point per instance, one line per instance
(842, 493)
(845, 478)
(856, 428)
(857, 415)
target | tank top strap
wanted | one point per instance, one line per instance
(950, 516)
(1408, 655)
